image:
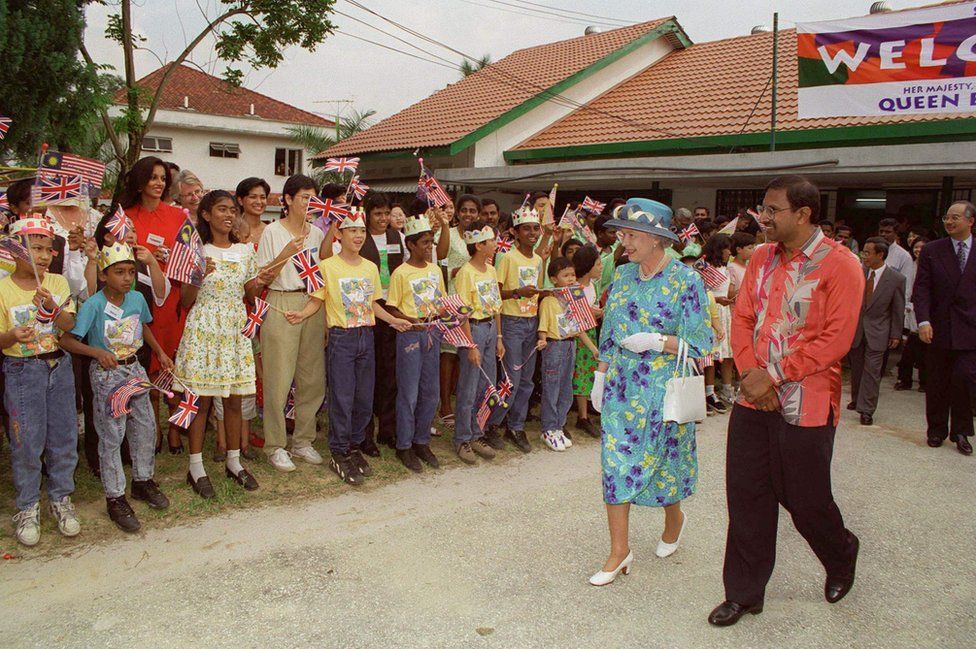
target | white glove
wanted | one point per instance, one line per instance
(642, 342)
(596, 394)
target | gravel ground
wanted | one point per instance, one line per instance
(498, 556)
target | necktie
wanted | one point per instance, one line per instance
(961, 255)
(869, 288)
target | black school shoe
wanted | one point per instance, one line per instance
(120, 511)
(148, 492)
(242, 478)
(410, 460)
(494, 439)
(342, 466)
(426, 455)
(518, 438)
(360, 463)
(203, 487)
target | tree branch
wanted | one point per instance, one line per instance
(103, 113)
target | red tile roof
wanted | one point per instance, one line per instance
(462, 107)
(212, 96)
(704, 90)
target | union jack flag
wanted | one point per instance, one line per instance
(429, 189)
(592, 206)
(290, 404)
(573, 301)
(5, 123)
(505, 244)
(712, 276)
(187, 263)
(329, 209)
(44, 316)
(119, 224)
(67, 164)
(689, 233)
(255, 317)
(342, 165)
(186, 411)
(358, 188)
(486, 403)
(55, 188)
(118, 398)
(307, 270)
(505, 388)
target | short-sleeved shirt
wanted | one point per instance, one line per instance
(457, 255)
(416, 292)
(607, 259)
(117, 329)
(349, 292)
(274, 238)
(17, 310)
(554, 321)
(479, 291)
(515, 271)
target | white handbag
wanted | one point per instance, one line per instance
(684, 396)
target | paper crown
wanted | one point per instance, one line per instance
(416, 225)
(113, 254)
(34, 224)
(477, 236)
(356, 219)
(524, 215)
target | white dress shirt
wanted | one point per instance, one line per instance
(899, 259)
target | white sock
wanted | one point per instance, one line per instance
(233, 462)
(196, 466)
(727, 389)
(709, 390)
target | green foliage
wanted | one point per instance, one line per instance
(316, 140)
(468, 67)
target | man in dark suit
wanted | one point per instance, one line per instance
(944, 297)
(878, 328)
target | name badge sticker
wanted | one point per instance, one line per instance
(232, 257)
(144, 279)
(393, 248)
(113, 311)
(155, 240)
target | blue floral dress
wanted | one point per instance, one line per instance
(645, 460)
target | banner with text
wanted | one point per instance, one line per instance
(899, 63)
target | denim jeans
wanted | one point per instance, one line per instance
(40, 399)
(139, 427)
(558, 361)
(418, 358)
(519, 336)
(471, 383)
(351, 361)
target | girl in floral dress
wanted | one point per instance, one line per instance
(589, 269)
(214, 358)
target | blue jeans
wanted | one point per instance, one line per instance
(519, 336)
(139, 426)
(351, 360)
(417, 389)
(471, 383)
(40, 399)
(558, 361)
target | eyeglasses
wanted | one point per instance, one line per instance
(769, 210)
(951, 218)
(196, 192)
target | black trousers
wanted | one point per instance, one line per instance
(771, 463)
(912, 356)
(948, 405)
(385, 388)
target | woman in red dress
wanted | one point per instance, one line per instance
(156, 225)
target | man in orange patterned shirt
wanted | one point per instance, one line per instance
(794, 319)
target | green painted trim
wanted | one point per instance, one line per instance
(667, 27)
(963, 129)
(405, 153)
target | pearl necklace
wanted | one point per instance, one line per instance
(654, 272)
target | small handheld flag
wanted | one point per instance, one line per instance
(186, 411)
(484, 411)
(118, 399)
(429, 189)
(573, 301)
(342, 165)
(187, 263)
(290, 404)
(5, 123)
(330, 209)
(14, 247)
(712, 276)
(119, 224)
(50, 188)
(255, 317)
(44, 316)
(504, 245)
(307, 270)
(454, 311)
(592, 206)
(358, 188)
(730, 227)
(688, 234)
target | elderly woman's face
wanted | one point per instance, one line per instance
(638, 246)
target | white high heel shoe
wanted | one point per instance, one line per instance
(667, 549)
(603, 578)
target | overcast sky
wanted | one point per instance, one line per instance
(346, 68)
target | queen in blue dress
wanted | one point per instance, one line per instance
(654, 301)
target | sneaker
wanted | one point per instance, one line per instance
(148, 492)
(434, 432)
(586, 426)
(120, 511)
(64, 513)
(480, 447)
(28, 522)
(306, 453)
(360, 463)
(493, 438)
(343, 467)
(716, 404)
(566, 438)
(518, 438)
(466, 453)
(709, 408)
(553, 440)
(281, 460)
(410, 460)
(426, 455)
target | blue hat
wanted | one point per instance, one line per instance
(644, 215)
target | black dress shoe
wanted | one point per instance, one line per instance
(518, 438)
(728, 613)
(493, 438)
(360, 463)
(120, 511)
(935, 442)
(902, 385)
(370, 448)
(203, 487)
(836, 587)
(963, 445)
(410, 460)
(426, 455)
(867, 420)
(852, 405)
(243, 478)
(148, 492)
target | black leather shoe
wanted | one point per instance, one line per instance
(203, 487)
(410, 460)
(867, 420)
(243, 478)
(935, 442)
(963, 445)
(493, 438)
(121, 514)
(148, 492)
(728, 613)
(836, 587)
(901, 385)
(426, 455)
(852, 406)
(370, 448)
(347, 471)
(586, 426)
(360, 463)
(518, 438)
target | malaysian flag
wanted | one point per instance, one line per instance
(358, 188)
(341, 165)
(15, 247)
(4, 201)
(730, 227)
(67, 164)
(329, 209)
(119, 224)
(454, 311)
(290, 404)
(255, 317)
(429, 189)
(712, 276)
(571, 220)
(186, 411)
(44, 316)
(592, 206)
(5, 123)
(486, 403)
(573, 301)
(307, 270)
(50, 188)
(187, 263)
(689, 233)
(118, 399)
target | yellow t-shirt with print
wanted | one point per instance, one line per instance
(349, 292)
(554, 321)
(416, 292)
(479, 291)
(17, 310)
(515, 271)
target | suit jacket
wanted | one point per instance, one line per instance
(882, 317)
(945, 297)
